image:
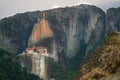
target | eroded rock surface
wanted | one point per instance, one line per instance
(104, 63)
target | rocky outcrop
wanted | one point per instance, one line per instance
(71, 32)
(104, 63)
(40, 30)
(15, 31)
(77, 30)
(112, 20)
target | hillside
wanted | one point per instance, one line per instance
(73, 33)
(104, 63)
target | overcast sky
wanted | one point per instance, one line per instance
(11, 7)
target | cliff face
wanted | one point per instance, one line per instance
(112, 20)
(77, 30)
(71, 32)
(15, 31)
(40, 30)
(104, 63)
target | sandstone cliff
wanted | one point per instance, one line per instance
(15, 31)
(104, 63)
(40, 30)
(76, 31)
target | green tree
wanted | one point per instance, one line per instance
(10, 68)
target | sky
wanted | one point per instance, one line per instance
(12, 7)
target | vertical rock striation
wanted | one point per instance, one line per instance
(40, 30)
(112, 20)
(71, 32)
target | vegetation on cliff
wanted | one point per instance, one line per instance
(10, 68)
(60, 73)
(104, 63)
